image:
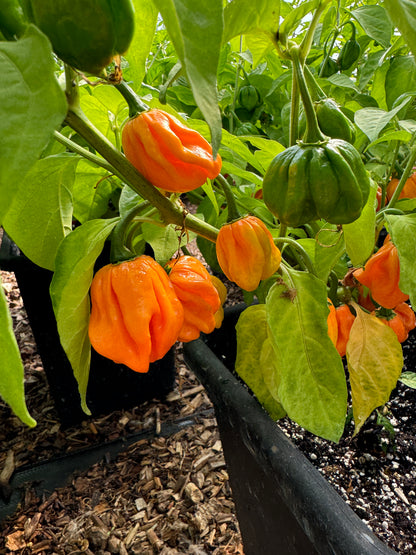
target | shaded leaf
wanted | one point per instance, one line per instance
(403, 14)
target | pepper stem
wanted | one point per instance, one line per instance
(233, 212)
(312, 134)
(135, 103)
(119, 251)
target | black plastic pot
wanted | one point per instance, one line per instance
(283, 504)
(111, 386)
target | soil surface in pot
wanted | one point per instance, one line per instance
(171, 495)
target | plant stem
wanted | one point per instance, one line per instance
(77, 149)
(170, 213)
(312, 133)
(304, 257)
(294, 112)
(316, 92)
(328, 53)
(135, 103)
(233, 213)
(308, 38)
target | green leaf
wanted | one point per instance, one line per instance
(163, 240)
(375, 361)
(343, 81)
(403, 136)
(359, 235)
(145, 18)
(312, 387)
(12, 372)
(32, 107)
(403, 15)
(400, 78)
(92, 190)
(329, 247)
(403, 234)
(373, 120)
(70, 294)
(40, 215)
(252, 361)
(292, 20)
(196, 32)
(375, 22)
(244, 16)
(102, 107)
(409, 379)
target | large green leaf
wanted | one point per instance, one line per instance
(245, 16)
(145, 18)
(312, 386)
(359, 235)
(375, 361)
(373, 120)
(400, 78)
(403, 14)
(375, 22)
(11, 367)
(252, 362)
(40, 215)
(69, 293)
(32, 106)
(195, 29)
(403, 233)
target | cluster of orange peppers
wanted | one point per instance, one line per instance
(139, 310)
(381, 276)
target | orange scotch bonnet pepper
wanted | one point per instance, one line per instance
(345, 320)
(167, 153)
(381, 275)
(246, 252)
(200, 299)
(135, 314)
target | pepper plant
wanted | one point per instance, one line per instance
(290, 127)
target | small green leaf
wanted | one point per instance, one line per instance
(145, 18)
(70, 294)
(409, 379)
(12, 372)
(403, 233)
(244, 16)
(359, 235)
(402, 135)
(254, 360)
(32, 107)
(312, 387)
(375, 361)
(375, 22)
(40, 215)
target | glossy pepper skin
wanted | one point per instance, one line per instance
(349, 54)
(408, 191)
(333, 122)
(86, 34)
(345, 319)
(381, 274)
(12, 19)
(167, 153)
(246, 252)
(332, 323)
(308, 182)
(401, 321)
(135, 314)
(200, 299)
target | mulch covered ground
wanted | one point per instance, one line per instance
(169, 493)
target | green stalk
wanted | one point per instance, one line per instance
(308, 38)
(170, 213)
(135, 103)
(233, 213)
(303, 255)
(316, 92)
(328, 53)
(313, 134)
(77, 149)
(119, 252)
(294, 112)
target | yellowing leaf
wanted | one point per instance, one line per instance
(375, 362)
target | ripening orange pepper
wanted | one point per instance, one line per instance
(135, 313)
(222, 292)
(345, 320)
(199, 297)
(332, 323)
(408, 191)
(381, 274)
(167, 153)
(401, 321)
(246, 252)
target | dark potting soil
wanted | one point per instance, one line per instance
(375, 471)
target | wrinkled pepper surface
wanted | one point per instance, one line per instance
(86, 34)
(332, 323)
(199, 297)
(345, 319)
(401, 320)
(381, 274)
(167, 153)
(246, 252)
(135, 313)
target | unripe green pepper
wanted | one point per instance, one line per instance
(350, 52)
(12, 20)
(86, 34)
(329, 69)
(249, 97)
(333, 122)
(318, 177)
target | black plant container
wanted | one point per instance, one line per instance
(111, 386)
(283, 504)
